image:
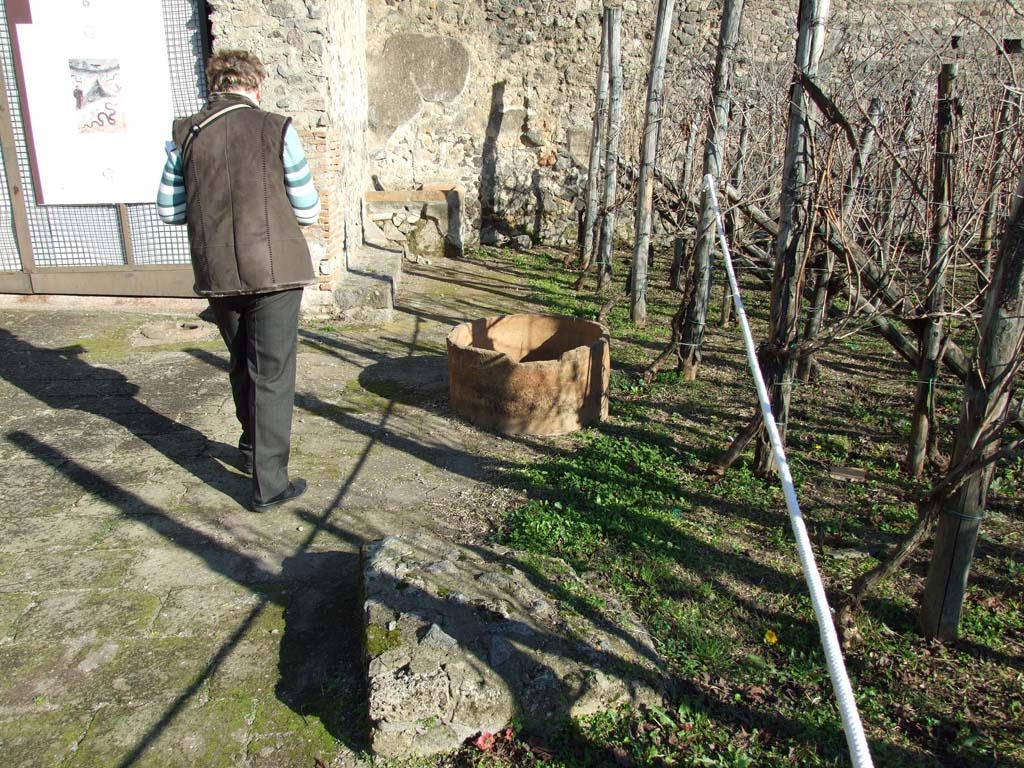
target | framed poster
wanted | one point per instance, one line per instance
(96, 95)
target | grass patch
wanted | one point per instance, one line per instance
(710, 566)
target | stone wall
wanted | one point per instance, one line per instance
(314, 54)
(496, 95)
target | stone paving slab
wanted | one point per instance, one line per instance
(147, 617)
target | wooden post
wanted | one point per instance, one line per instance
(648, 153)
(596, 142)
(935, 298)
(791, 248)
(126, 234)
(986, 401)
(613, 21)
(696, 315)
(19, 213)
(678, 254)
(738, 174)
(865, 147)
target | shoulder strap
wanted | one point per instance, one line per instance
(195, 129)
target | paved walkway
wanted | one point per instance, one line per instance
(146, 617)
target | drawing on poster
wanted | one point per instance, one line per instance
(97, 92)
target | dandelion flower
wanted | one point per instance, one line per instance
(770, 637)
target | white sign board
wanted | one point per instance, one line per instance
(98, 94)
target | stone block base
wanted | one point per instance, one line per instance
(458, 640)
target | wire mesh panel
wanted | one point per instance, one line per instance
(185, 26)
(154, 242)
(184, 23)
(90, 235)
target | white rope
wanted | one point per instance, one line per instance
(852, 726)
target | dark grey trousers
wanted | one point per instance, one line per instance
(261, 333)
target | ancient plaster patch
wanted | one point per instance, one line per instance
(412, 70)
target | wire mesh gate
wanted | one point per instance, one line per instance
(95, 249)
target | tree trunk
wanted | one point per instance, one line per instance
(613, 23)
(676, 273)
(985, 405)
(826, 260)
(791, 244)
(648, 153)
(935, 299)
(596, 141)
(691, 142)
(718, 124)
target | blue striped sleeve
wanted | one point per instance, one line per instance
(170, 199)
(298, 180)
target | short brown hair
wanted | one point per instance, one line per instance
(233, 70)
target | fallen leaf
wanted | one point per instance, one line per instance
(484, 741)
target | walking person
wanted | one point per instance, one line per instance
(237, 176)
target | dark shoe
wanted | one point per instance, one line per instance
(245, 462)
(295, 488)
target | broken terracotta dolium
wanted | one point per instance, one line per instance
(529, 374)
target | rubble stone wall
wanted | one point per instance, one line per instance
(496, 95)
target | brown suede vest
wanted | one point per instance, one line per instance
(241, 228)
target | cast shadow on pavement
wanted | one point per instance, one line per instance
(62, 380)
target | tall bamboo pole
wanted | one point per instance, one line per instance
(596, 145)
(613, 23)
(735, 214)
(935, 299)
(645, 188)
(1008, 110)
(795, 212)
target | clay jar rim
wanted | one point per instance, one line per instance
(602, 337)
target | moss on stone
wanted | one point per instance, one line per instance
(42, 738)
(114, 344)
(356, 398)
(283, 736)
(380, 639)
